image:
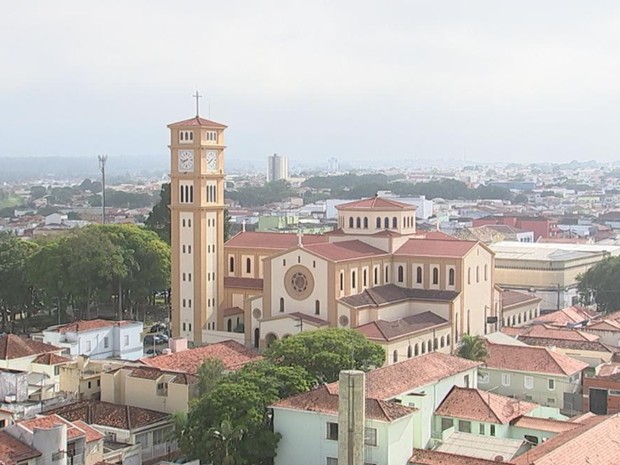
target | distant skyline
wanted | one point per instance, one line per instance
(485, 81)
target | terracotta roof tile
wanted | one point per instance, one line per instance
(233, 354)
(91, 433)
(323, 401)
(390, 293)
(375, 203)
(231, 311)
(432, 457)
(12, 346)
(310, 318)
(51, 421)
(112, 415)
(453, 248)
(568, 315)
(87, 325)
(13, 451)
(345, 250)
(531, 359)
(477, 405)
(544, 424)
(50, 359)
(516, 299)
(550, 332)
(198, 121)
(389, 330)
(244, 283)
(267, 240)
(605, 325)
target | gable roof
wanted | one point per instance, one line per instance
(345, 250)
(544, 424)
(51, 421)
(516, 299)
(375, 203)
(382, 330)
(231, 353)
(531, 359)
(550, 332)
(113, 415)
(434, 457)
(89, 325)
(198, 121)
(323, 400)
(50, 359)
(270, 240)
(14, 451)
(425, 247)
(567, 315)
(390, 293)
(12, 347)
(477, 405)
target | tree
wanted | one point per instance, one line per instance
(209, 374)
(472, 348)
(227, 438)
(36, 192)
(227, 225)
(159, 218)
(600, 285)
(326, 352)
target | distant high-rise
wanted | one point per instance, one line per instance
(332, 165)
(277, 167)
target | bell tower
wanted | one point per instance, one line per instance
(197, 226)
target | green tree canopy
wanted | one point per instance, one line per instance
(326, 352)
(159, 218)
(601, 285)
(472, 348)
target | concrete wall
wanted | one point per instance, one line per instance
(14, 384)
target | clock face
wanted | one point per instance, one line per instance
(186, 160)
(211, 160)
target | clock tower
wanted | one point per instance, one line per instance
(197, 226)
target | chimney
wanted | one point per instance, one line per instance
(351, 417)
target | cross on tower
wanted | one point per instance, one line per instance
(197, 96)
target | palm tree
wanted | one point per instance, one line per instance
(472, 348)
(226, 437)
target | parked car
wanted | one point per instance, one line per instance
(151, 339)
(158, 327)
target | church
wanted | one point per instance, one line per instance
(411, 292)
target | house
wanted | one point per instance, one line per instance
(571, 317)
(601, 392)
(98, 339)
(82, 376)
(150, 388)
(401, 399)
(39, 360)
(124, 426)
(60, 441)
(533, 374)
(16, 452)
(575, 343)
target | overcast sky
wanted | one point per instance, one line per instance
(359, 80)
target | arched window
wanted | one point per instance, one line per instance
(358, 223)
(442, 342)
(451, 277)
(386, 223)
(423, 347)
(418, 275)
(406, 222)
(365, 277)
(353, 279)
(342, 281)
(317, 307)
(448, 340)
(376, 275)
(281, 304)
(456, 328)
(409, 351)
(435, 344)
(229, 325)
(351, 222)
(248, 265)
(394, 223)
(519, 319)
(256, 338)
(232, 264)
(469, 275)
(435, 276)
(401, 274)
(514, 320)
(378, 223)
(416, 350)
(395, 356)
(486, 271)
(429, 346)
(365, 222)
(387, 277)
(477, 274)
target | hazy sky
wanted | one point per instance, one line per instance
(359, 80)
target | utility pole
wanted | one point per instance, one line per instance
(102, 161)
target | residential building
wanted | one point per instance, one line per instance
(277, 167)
(541, 226)
(601, 391)
(16, 452)
(533, 374)
(82, 377)
(98, 339)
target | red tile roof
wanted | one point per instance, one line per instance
(13, 451)
(310, 318)
(381, 330)
(88, 325)
(112, 415)
(198, 121)
(531, 359)
(432, 457)
(544, 424)
(345, 250)
(568, 315)
(231, 311)
(391, 293)
(375, 203)
(231, 353)
(550, 332)
(453, 248)
(323, 401)
(267, 240)
(477, 405)
(12, 346)
(50, 359)
(516, 299)
(244, 283)
(594, 443)
(51, 421)
(91, 433)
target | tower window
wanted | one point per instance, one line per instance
(401, 274)
(341, 281)
(353, 279)
(365, 277)
(394, 223)
(358, 223)
(435, 276)
(387, 277)
(211, 136)
(477, 274)
(386, 222)
(418, 277)
(378, 223)
(376, 275)
(365, 222)
(248, 266)
(451, 277)
(232, 264)
(351, 222)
